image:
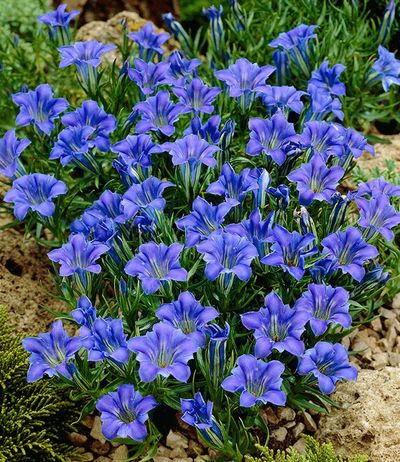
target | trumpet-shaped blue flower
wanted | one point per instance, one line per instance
(36, 192)
(322, 138)
(208, 131)
(282, 99)
(355, 143)
(258, 381)
(85, 313)
(190, 152)
(84, 55)
(289, 251)
(323, 105)
(73, 145)
(326, 79)
(177, 30)
(91, 115)
(387, 21)
(216, 351)
(315, 181)
(255, 230)
(233, 186)
(50, 352)
(164, 351)
(348, 251)
(281, 62)
(155, 264)
(282, 195)
(136, 150)
(214, 15)
(203, 220)
(188, 315)
(378, 216)
(10, 150)
(39, 108)
(276, 327)
(295, 38)
(244, 78)
(377, 187)
(227, 254)
(158, 113)
(124, 413)
(148, 41)
(326, 305)
(58, 17)
(181, 68)
(78, 256)
(328, 363)
(386, 69)
(145, 197)
(105, 339)
(148, 76)
(270, 137)
(197, 96)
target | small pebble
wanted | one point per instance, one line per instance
(387, 314)
(286, 413)
(279, 434)
(121, 453)
(300, 446)
(100, 448)
(309, 422)
(176, 440)
(96, 430)
(298, 429)
(77, 439)
(269, 416)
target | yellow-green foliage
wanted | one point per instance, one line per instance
(33, 417)
(315, 452)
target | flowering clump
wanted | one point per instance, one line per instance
(223, 190)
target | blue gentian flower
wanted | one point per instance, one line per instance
(387, 21)
(39, 108)
(322, 138)
(177, 30)
(78, 256)
(208, 131)
(355, 143)
(289, 251)
(73, 145)
(377, 216)
(85, 313)
(276, 327)
(36, 192)
(124, 413)
(326, 305)
(145, 197)
(214, 15)
(326, 79)
(202, 221)
(50, 352)
(282, 195)
(164, 351)
(105, 340)
(92, 115)
(216, 351)
(190, 153)
(148, 76)
(323, 105)
(148, 41)
(155, 264)
(296, 43)
(237, 14)
(255, 230)
(270, 137)
(158, 113)
(258, 381)
(263, 182)
(181, 68)
(374, 279)
(58, 17)
(282, 99)
(86, 56)
(136, 150)
(348, 251)
(386, 69)
(227, 254)
(377, 187)
(10, 150)
(197, 413)
(315, 181)
(328, 363)
(245, 78)
(197, 96)
(233, 186)
(188, 315)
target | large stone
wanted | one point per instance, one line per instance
(369, 421)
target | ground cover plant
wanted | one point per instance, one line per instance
(199, 224)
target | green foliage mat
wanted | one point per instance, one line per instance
(34, 418)
(315, 452)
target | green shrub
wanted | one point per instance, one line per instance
(315, 452)
(34, 418)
